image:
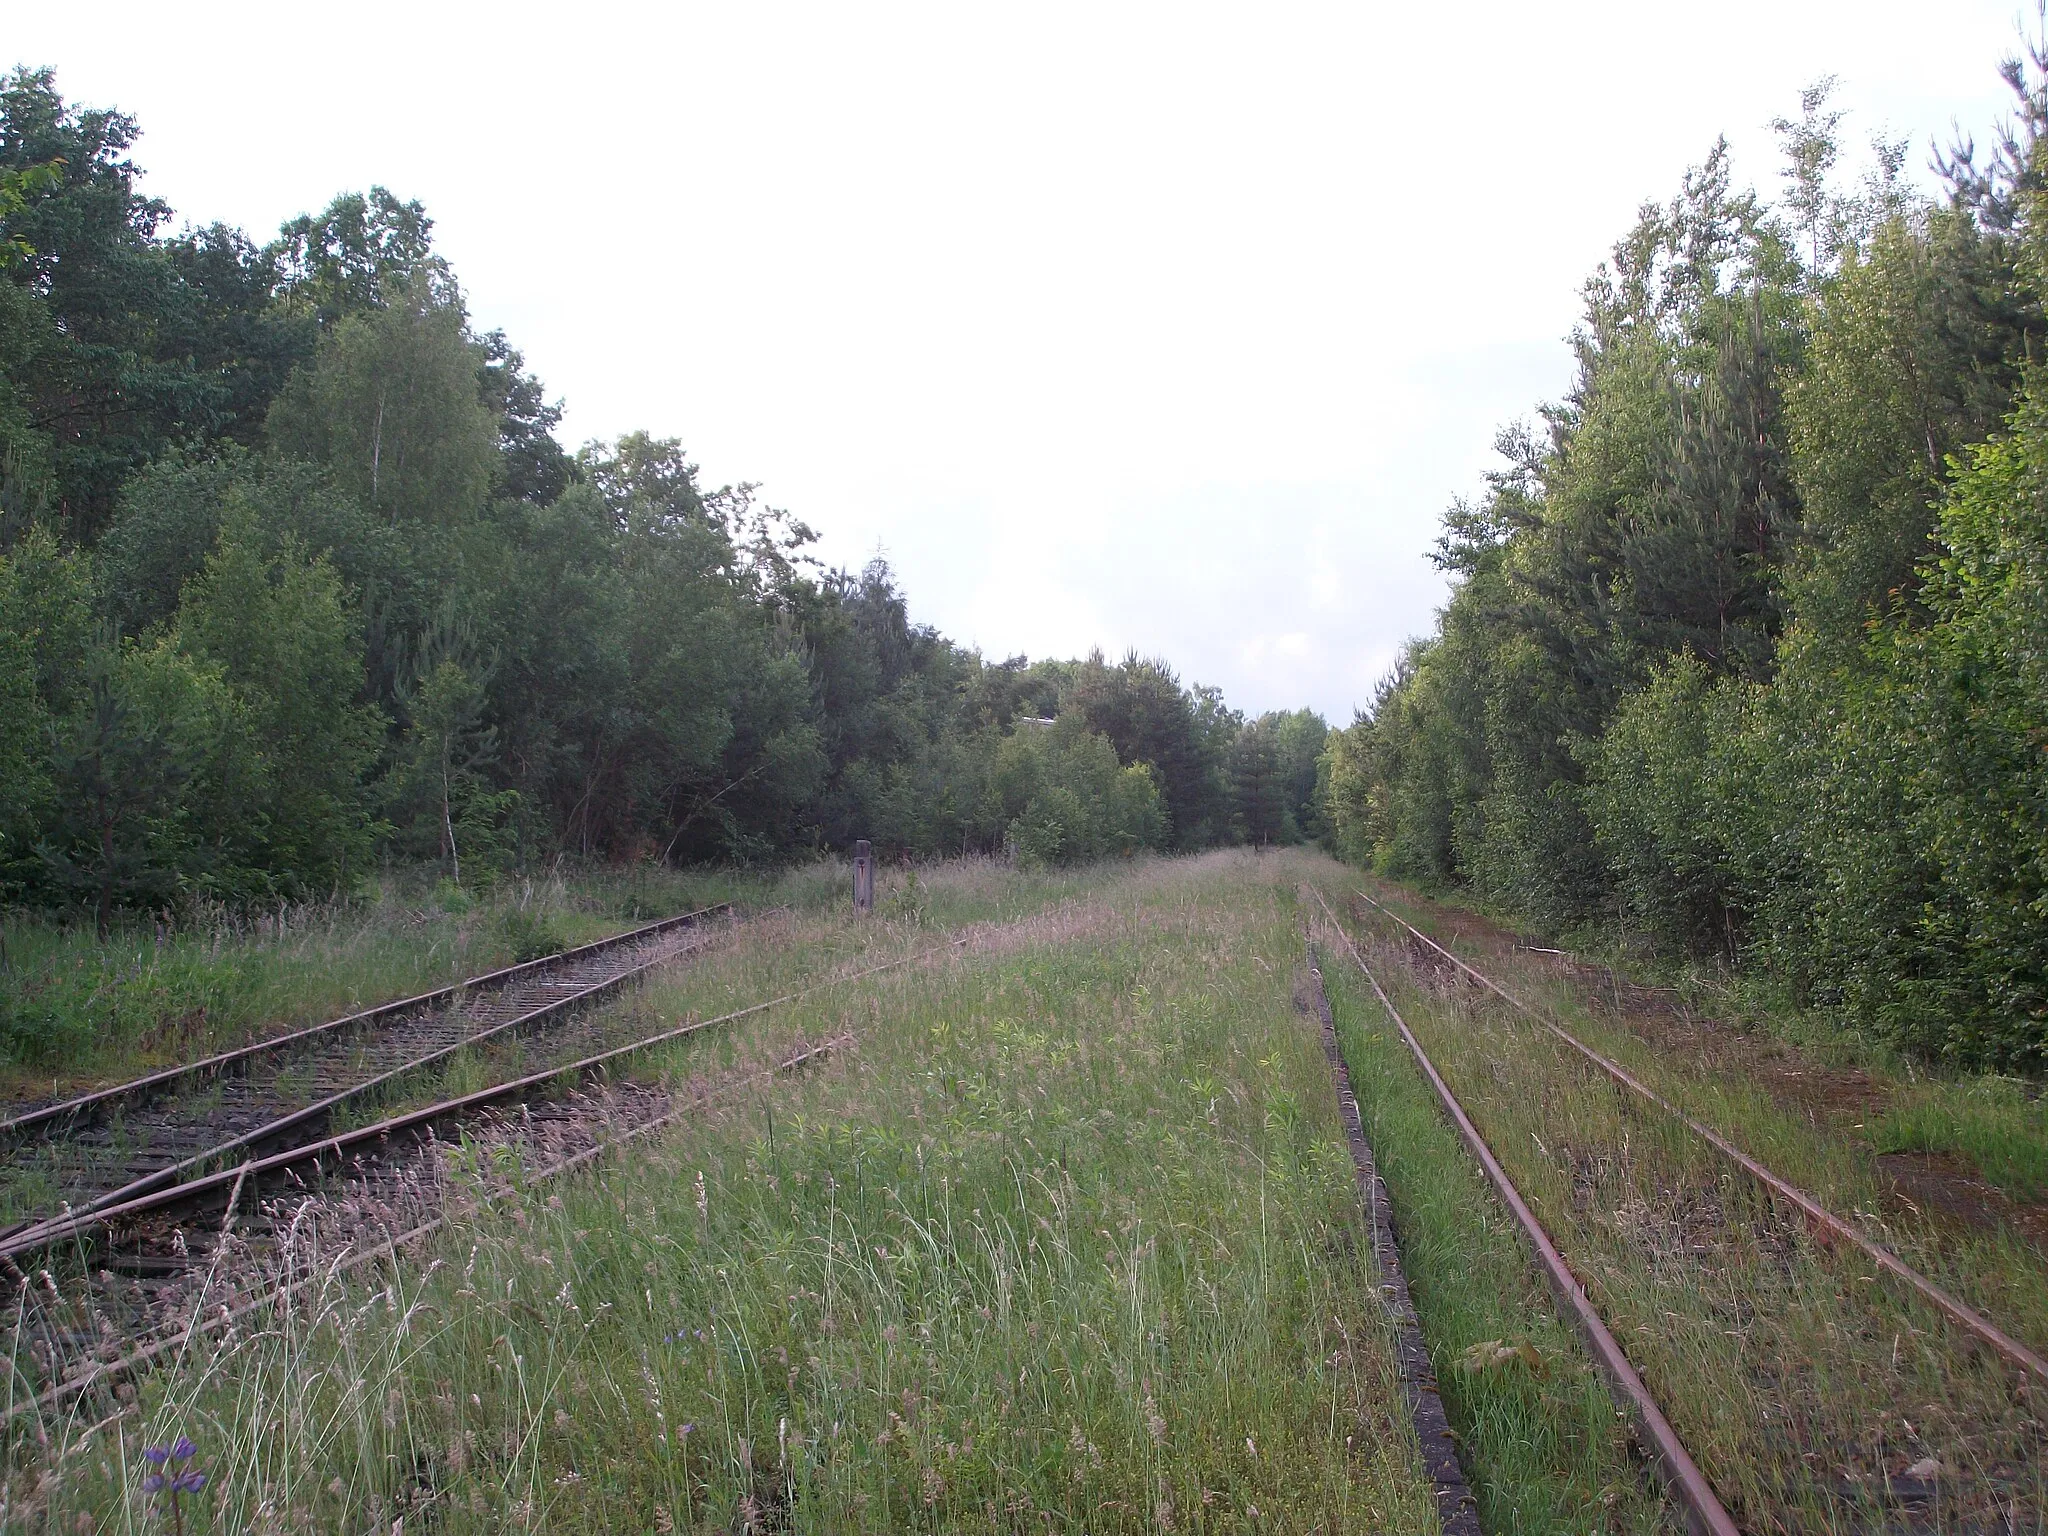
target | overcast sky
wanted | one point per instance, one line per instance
(1170, 327)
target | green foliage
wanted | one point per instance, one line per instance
(46, 635)
(362, 252)
(390, 405)
(131, 342)
(1994, 1122)
(293, 571)
(1272, 767)
(1657, 800)
(530, 934)
(1064, 799)
(118, 763)
(442, 787)
(1744, 651)
(1973, 686)
(1182, 735)
(1259, 798)
(282, 634)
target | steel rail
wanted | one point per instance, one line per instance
(389, 1248)
(154, 1083)
(32, 1234)
(1956, 1311)
(1704, 1510)
(39, 1234)
(197, 1190)
(71, 1387)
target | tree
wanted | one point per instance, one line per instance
(1149, 718)
(121, 762)
(1258, 791)
(449, 749)
(279, 627)
(144, 346)
(363, 252)
(390, 404)
(1062, 797)
(46, 638)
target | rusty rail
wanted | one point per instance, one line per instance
(1949, 1306)
(197, 1190)
(29, 1236)
(1704, 1511)
(1457, 1510)
(46, 1120)
(194, 1192)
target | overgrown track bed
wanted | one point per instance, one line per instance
(106, 1149)
(2018, 1354)
(1457, 1510)
(1705, 1513)
(159, 1276)
(1815, 1386)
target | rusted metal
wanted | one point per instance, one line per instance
(1956, 1311)
(1457, 1510)
(11, 1129)
(1705, 1513)
(224, 1129)
(135, 1360)
(194, 1191)
(354, 1145)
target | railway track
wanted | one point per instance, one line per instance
(1905, 1502)
(1457, 1509)
(1968, 1318)
(211, 1246)
(1704, 1511)
(105, 1150)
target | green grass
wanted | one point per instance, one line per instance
(75, 1011)
(1067, 1242)
(1996, 1124)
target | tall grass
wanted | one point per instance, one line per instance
(1998, 1125)
(1067, 1241)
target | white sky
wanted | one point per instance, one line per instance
(1171, 327)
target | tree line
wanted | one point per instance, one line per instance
(1747, 650)
(296, 577)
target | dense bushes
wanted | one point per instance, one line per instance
(1062, 797)
(1746, 655)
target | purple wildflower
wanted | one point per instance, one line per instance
(176, 1484)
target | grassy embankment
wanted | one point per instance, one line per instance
(1799, 1380)
(1066, 1241)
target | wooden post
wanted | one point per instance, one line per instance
(863, 876)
